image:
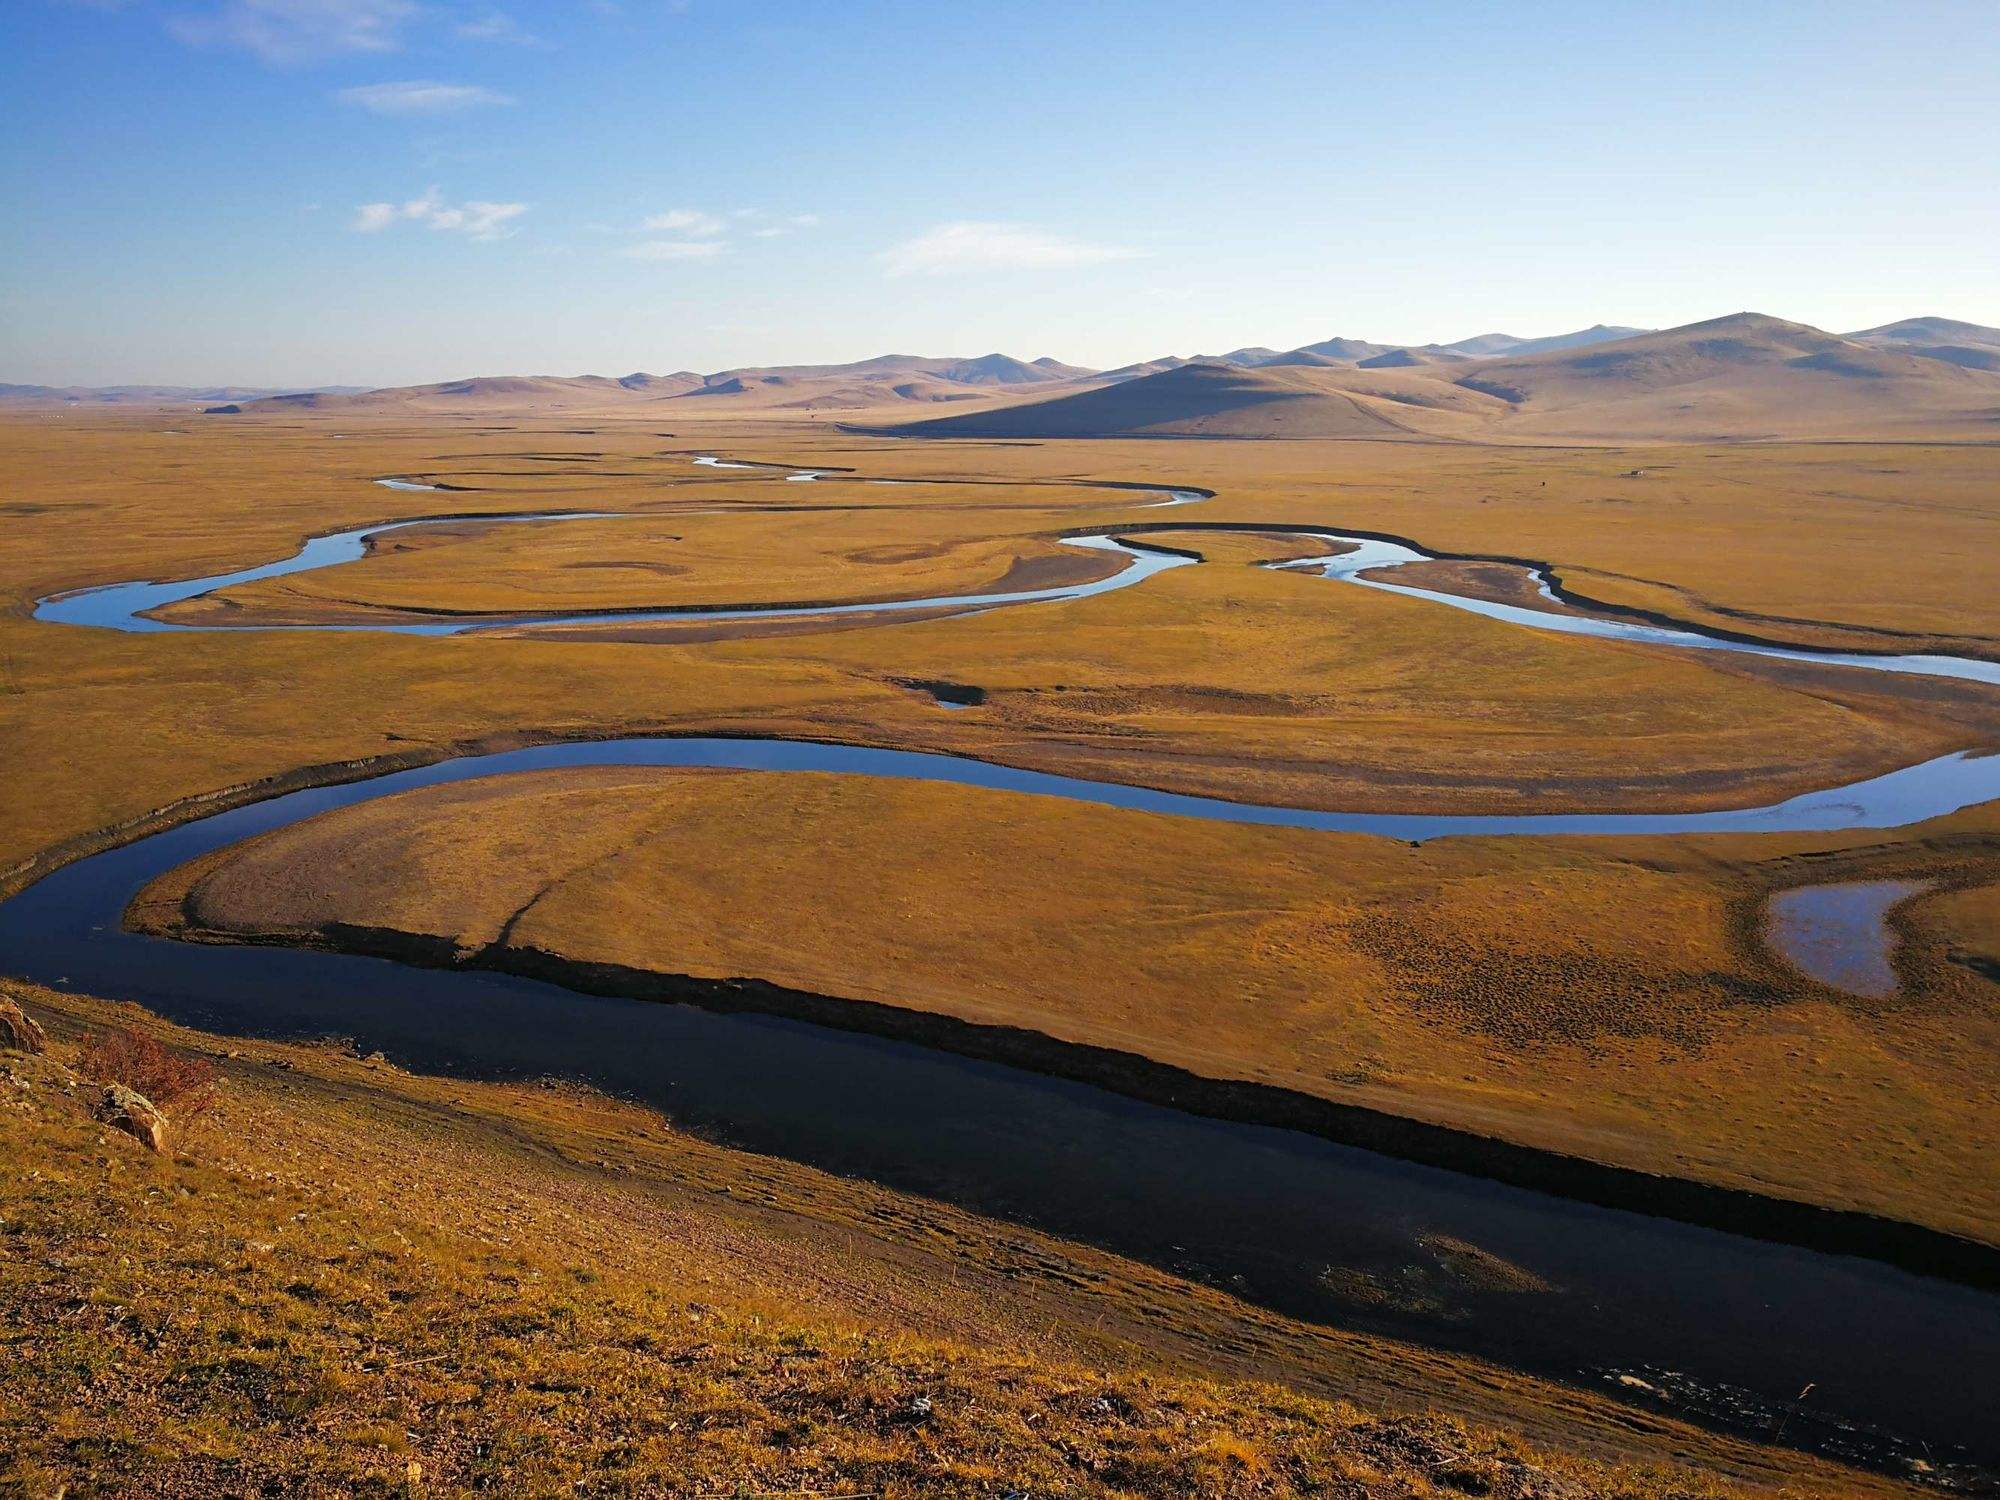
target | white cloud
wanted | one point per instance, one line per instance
(297, 31)
(685, 221)
(497, 26)
(790, 224)
(418, 97)
(476, 219)
(971, 245)
(674, 250)
(701, 235)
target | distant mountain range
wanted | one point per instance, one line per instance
(1744, 375)
(142, 395)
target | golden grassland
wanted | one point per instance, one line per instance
(688, 558)
(579, 1270)
(1222, 678)
(1605, 998)
(352, 1280)
(1504, 985)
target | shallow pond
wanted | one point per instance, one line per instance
(1840, 934)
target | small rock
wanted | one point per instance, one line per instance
(134, 1114)
(19, 1033)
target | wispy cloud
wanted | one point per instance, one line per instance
(419, 96)
(685, 221)
(283, 32)
(790, 224)
(674, 250)
(970, 245)
(497, 26)
(701, 235)
(476, 219)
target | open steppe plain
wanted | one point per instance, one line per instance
(1604, 999)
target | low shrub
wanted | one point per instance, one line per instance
(164, 1076)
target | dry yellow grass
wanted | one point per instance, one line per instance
(358, 1281)
(1224, 678)
(1414, 980)
(691, 557)
(1218, 678)
(1605, 998)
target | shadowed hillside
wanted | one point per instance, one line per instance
(1968, 344)
(1208, 400)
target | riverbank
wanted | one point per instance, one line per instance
(1911, 1247)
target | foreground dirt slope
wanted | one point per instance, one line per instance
(356, 1281)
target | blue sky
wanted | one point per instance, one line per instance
(379, 191)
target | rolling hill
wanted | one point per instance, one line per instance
(1505, 345)
(884, 380)
(141, 395)
(1743, 376)
(1410, 359)
(1968, 344)
(482, 393)
(1746, 375)
(1739, 377)
(1214, 400)
(1345, 351)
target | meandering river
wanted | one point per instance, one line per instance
(1901, 1364)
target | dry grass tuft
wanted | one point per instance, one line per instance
(146, 1066)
